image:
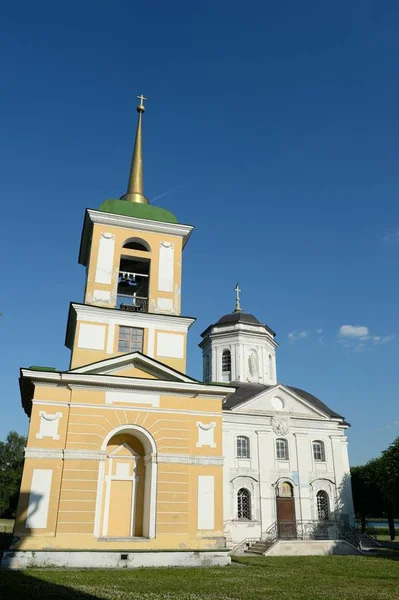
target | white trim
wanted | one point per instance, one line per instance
(136, 429)
(175, 229)
(43, 453)
(207, 391)
(190, 460)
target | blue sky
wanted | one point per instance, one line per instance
(273, 128)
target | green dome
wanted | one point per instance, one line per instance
(140, 211)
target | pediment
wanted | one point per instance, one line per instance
(135, 365)
(280, 400)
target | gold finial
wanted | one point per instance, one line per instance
(237, 291)
(135, 186)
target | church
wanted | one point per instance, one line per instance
(131, 462)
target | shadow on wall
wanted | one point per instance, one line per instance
(20, 584)
(344, 508)
(32, 501)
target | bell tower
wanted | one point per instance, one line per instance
(238, 347)
(132, 252)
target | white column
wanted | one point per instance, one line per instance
(150, 495)
(214, 373)
(267, 497)
(339, 448)
(304, 467)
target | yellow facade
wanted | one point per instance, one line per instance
(124, 449)
(115, 456)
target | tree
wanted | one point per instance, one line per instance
(389, 481)
(11, 464)
(368, 498)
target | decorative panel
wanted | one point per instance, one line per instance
(105, 258)
(166, 267)
(39, 499)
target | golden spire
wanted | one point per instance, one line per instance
(237, 291)
(135, 186)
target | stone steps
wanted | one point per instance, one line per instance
(258, 547)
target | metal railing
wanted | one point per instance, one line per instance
(132, 303)
(244, 545)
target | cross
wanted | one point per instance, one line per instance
(237, 291)
(142, 98)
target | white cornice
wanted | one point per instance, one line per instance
(88, 310)
(190, 460)
(177, 229)
(206, 391)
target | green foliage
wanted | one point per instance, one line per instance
(11, 464)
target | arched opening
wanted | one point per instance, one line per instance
(127, 497)
(323, 506)
(137, 244)
(133, 283)
(207, 369)
(285, 508)
(244, 504)
(226, 365)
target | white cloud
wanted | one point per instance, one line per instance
(295, 336)
(355, 337)
(385, 339)
(319, 331)
(353, 331)
(391, 239)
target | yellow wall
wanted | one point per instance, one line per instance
(85, 422)
(153, 240)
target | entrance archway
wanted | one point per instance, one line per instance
(285, 509)
(126, 499)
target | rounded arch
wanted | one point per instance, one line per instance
(136, 243)
(285, 479)
(142, 435)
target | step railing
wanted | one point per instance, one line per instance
(244, 545)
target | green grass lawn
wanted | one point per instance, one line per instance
(310, 578)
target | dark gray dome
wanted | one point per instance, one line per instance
(237, 317)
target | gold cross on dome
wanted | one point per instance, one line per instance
(237, 291)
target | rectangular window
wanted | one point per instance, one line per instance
(130, 339)
(282, 449)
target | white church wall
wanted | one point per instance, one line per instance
(305, 474)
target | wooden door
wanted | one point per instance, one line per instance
(286, 522)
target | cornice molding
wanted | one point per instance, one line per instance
(190, 460)
(176, 229)
(43, 453)
(64, 454)
(89, 310)
(115, 381)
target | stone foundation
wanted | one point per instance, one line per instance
(311, 548)
(20, 559)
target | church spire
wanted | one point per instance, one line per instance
(135, 185)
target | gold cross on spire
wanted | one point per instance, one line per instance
(141, 107)
(237, 291)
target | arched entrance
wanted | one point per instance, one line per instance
(285, 508)
(127, 495)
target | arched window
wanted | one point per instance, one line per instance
(243, 447)
(137, 244)
(282, 449)
(322, 505)
(207, 369)
(226, 361)
(319, 452)
(285, 490)
(271, 374)
(244, 504)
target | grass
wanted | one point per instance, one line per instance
(293, 578)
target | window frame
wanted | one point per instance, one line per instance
(130, 339)
(226, 352)
(248, 442)
(323, 494)
(286, 449)
(243, 491)
(322, 451)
